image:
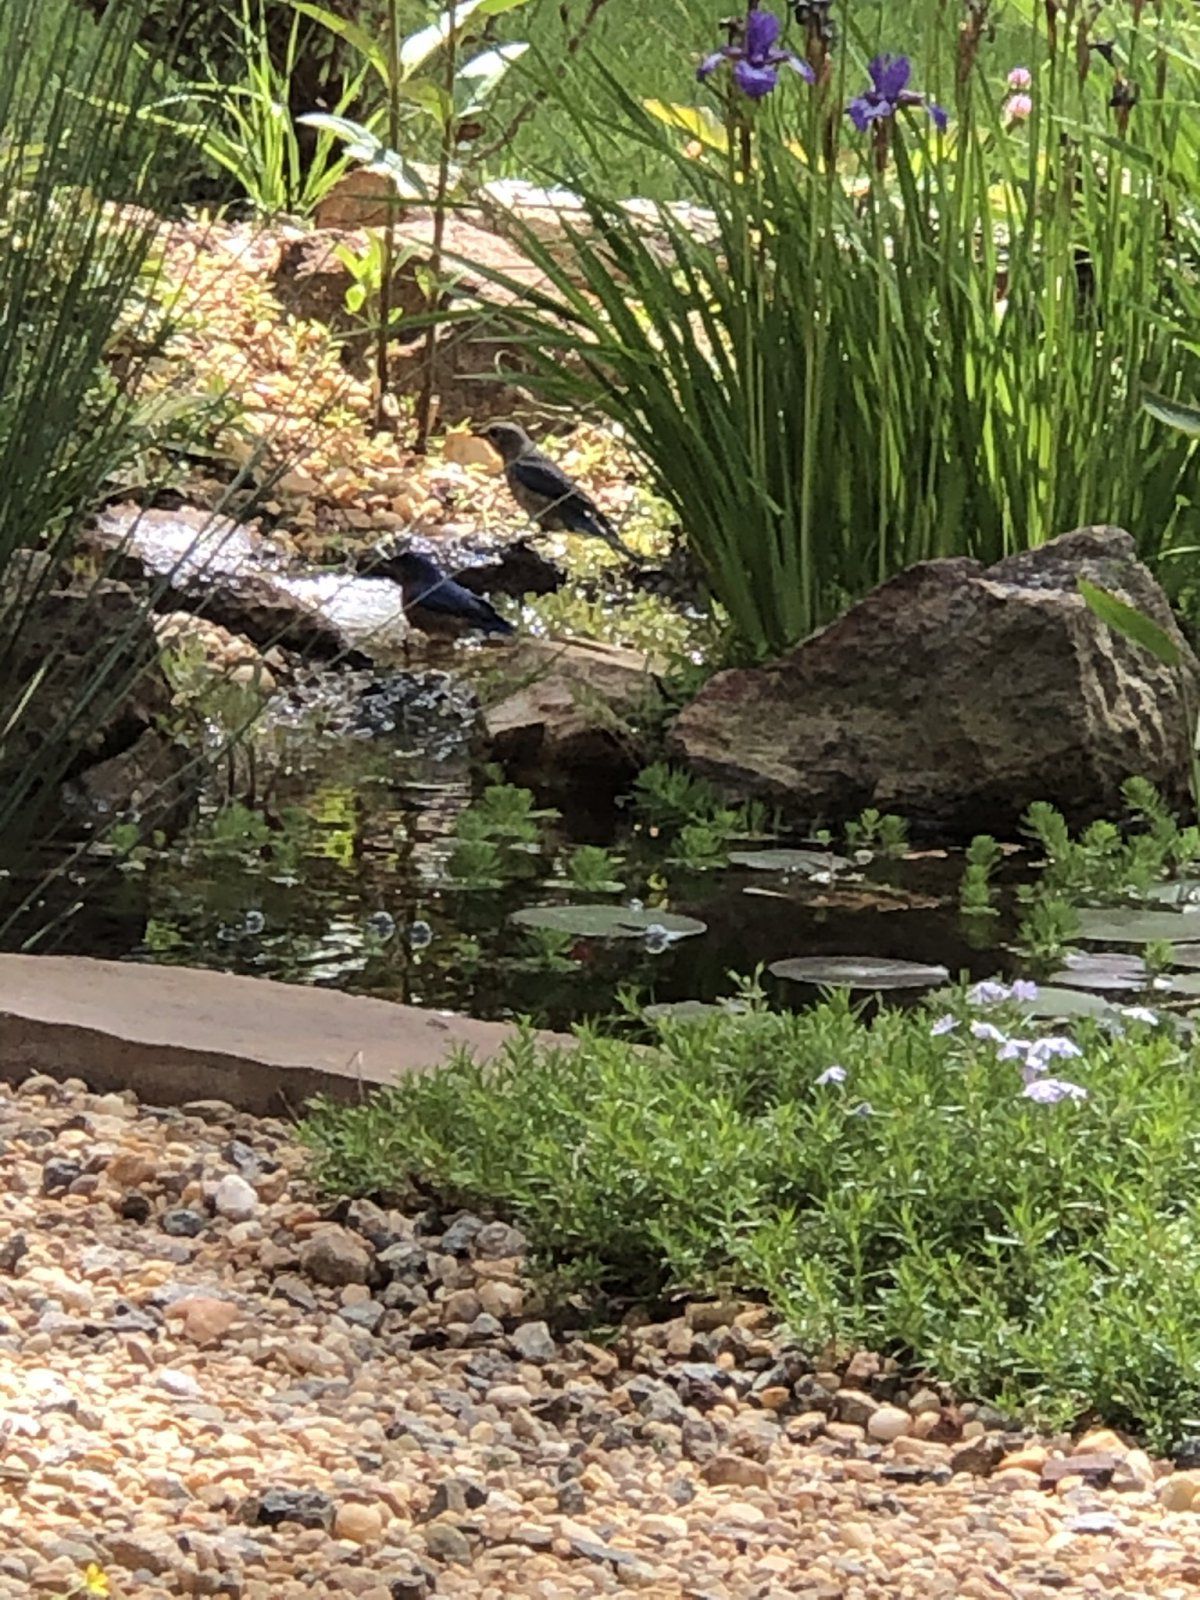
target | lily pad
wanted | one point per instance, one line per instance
(1053, 1004)
(1110, 970)
(1127, 925)
(806, 863)
(693, 1010)
(859, 972)
(1184, 893)
(606, 922)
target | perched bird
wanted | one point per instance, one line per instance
(541, 488)
(436, 604)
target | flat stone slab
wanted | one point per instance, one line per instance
(174, 1034)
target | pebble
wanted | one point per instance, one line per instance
(888, 1423)
(235, 1198)
(358, 1523)
(335, 1257)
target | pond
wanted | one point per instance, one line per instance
(344, 874)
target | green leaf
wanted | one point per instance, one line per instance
(606, 922)
(1184, 418)
(858, 972)
(1131, 623)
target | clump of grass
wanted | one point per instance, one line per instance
(917, 1198)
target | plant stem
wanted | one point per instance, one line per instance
(433, 294)
(382, 372)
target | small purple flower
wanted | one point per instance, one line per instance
(1049, 1091)
(1014, 1050)
(1025, 991)
(889, 93)
(988, 1030)
(1020, 78)
(943, 1025)
(864, 1108)
(757, 58)
(834, 1074)
(1055, 1048)
(988, 993)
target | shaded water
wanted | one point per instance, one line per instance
(340, 878)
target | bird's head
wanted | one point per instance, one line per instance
(507, 439)
(410, 566)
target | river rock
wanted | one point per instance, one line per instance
(576, 707)
(956, 694)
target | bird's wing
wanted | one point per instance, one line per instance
(541, 477)
(450, 599)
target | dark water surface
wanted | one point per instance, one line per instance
(339, 878)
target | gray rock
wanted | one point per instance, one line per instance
(445, 1542)
(335, 1258)
(143, 1552)
(58, 1174)
(367, 1316)
(532, 1342)
(183, 1223)
(309, 1507)
(457, 1496)
(913, 701)
(288, 1286)
(12, 1251)
(498, 1241)
(461, 1235)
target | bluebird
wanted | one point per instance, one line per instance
(436, 604)
(541, 488)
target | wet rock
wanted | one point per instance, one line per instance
(956, 738)
(216, 569)
(576, 707)
(335, 1257)
(154, 776)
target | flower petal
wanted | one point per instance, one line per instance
(755, 82)
(786, 59)
(890, 75)
(864, 110)
(937, 115)
(762, 30)
(710, 63)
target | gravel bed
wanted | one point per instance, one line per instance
(214, 1383)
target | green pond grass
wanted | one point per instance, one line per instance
(1040, 1253)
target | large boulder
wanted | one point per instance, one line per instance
(956, 694)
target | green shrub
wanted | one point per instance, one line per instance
(1039, 1253)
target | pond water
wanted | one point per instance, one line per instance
(340, 876)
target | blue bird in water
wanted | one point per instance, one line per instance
(436, 604)
(544, 491)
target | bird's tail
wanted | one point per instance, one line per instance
(604, 529)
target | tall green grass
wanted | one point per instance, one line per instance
(867, 357)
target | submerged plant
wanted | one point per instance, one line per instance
(875, 830)
(976, 895)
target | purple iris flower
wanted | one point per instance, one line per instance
(889, 93)
(944, 1025)
(1049, 1091)
(757, 58)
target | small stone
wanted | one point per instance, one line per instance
(1179, 1491)
(500, 1299)
(413, 1585)
(774, 1398)
(309, 1507)
(707, 1316)
(1186, 1454)
(852, 1405)
(497, 1241)
(445, 1542)
(58, 1174)
(234, 1198)
(739, 1472)
(532, 1342)
(1030, 1458)
(368, 1315)
(182, 1223)
(180, 1384)
(462, 1305)
(888, 1423)
(979, 1455)
(135, 1207)
(335, 1257)
(12, 1252)
(509, 1396)
(206, 1320)
(146, 1552)
(358, 1523)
